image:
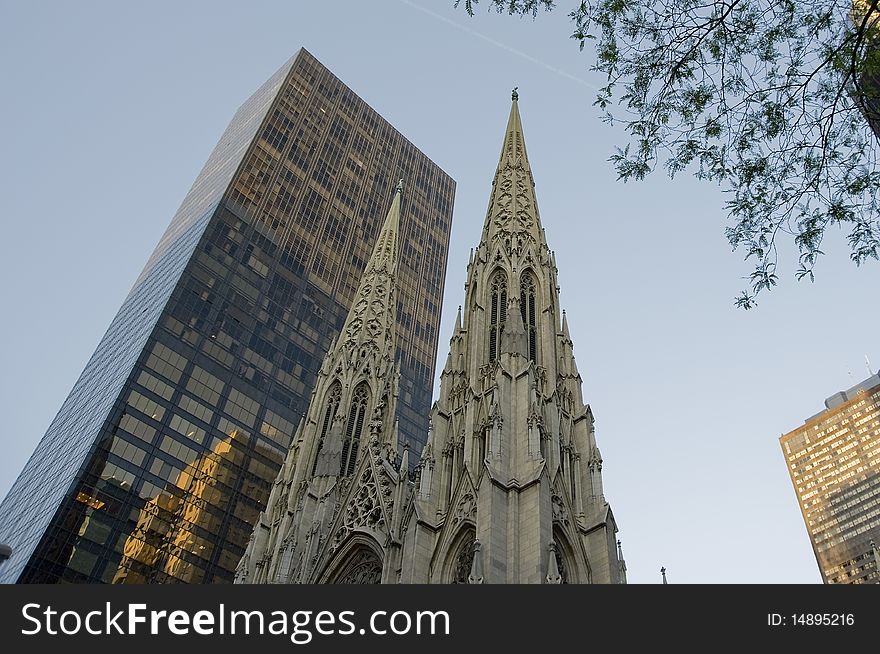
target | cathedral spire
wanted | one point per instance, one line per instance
(512, 217)
(384, 257)
(371, 320)
(511, 446)
(514, 148)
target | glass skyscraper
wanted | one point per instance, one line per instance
(163, 454)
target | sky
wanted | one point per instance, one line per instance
(109, 110)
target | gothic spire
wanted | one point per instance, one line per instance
(567, 364)
(371, 320)
(514, 147)
(513, 216)
(384, 257)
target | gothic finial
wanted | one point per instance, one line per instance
(476, 575)
(400, 185)
(553, 574)
(404, 460)
(514, 96)
(621, 565)
(448, 367)
(392, 440)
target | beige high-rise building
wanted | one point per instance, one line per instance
(508, 488)
(834, 463)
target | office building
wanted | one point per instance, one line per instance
(834, 463)
(163, 455)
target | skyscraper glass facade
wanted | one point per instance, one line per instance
(834, 463)
(163, 454)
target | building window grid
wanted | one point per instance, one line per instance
(175, 371)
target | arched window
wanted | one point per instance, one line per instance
(497, 312)
(563, 552)
(560, 563)
(362, 567)
(353, 429)
(329, 412)
(527, 308)
(464, 559)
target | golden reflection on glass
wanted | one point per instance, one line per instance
(166, 538)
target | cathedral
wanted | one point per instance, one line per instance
(508, 488)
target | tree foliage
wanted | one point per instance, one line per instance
(773, 99)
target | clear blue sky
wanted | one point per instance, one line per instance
(109, 110)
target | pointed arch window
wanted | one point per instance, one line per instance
(362, 567)
(527, 305)
(565, 559)
(563, 570)
(497, 312)
(354, 427)
(332, 405)
(464, 558)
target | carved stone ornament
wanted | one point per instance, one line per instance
(364, 509)
(560, 514)
(464, 561)
(364, 567)
(466, 509)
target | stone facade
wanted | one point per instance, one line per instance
(508, 488)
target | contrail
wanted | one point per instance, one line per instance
(498, 44)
